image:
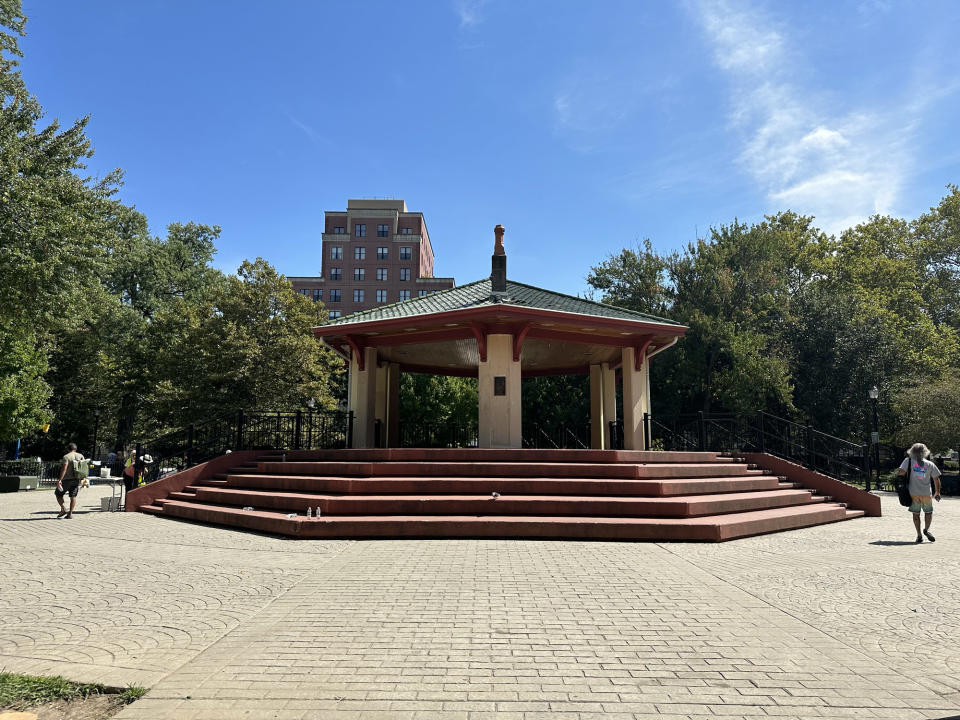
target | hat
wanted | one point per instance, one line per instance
(147, 459)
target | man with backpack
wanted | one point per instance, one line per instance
(73, 470)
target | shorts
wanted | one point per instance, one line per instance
(921, 502)
(70, 487)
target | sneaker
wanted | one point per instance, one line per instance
(61, 514)
(919, 539)
(69, 516)
(930, 537)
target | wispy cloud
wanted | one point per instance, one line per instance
(312, 135)
(591, 105)
(470, 12)
(840, 166)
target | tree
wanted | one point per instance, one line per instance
(438, 399)
(54, 226)
(247, 344)
(931, 413)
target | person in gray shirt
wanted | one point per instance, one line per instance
(68, 483)
(922, 473)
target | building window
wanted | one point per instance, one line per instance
(334, 314)
(359, 230)
(381, 274)
(421, 293)
(406, 231)
(359, 253)
(404, 294)
(339, 231)
(383, 230)
(317, 294)
(336, 273)
(358, 295)
(404, 273)
(336, 252)
(405, 253)
(383, 253)
(359, 274)
(304, 291)
(381, 296)
(334, 296)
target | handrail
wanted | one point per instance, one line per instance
(246, 430)
(761, 432)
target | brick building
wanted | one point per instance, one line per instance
(374, 253)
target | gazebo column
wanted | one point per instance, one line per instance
(634, 400)
(498, 388)
(393, 405)
(597, 415)
(609, 400)
(362, 396)
(381, 405)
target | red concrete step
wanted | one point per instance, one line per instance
(152, 509)
(513, 486)
(712, 528)
(503, 455)
(689, 506)
(212, 482)
(506, 469)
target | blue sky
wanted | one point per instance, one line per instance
(582, 127)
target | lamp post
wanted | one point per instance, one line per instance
(96, 430)
(874, 393)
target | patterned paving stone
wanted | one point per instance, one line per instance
(835, 621)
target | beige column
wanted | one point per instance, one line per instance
(609, 400)
(596, 408)
(362, 397)
(393, 405)
(499, 415)
(634, 401)
(381, 404)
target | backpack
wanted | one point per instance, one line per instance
(903, 487)
(81, 468)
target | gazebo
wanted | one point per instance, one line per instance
(499, 331)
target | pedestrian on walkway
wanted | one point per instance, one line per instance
(69, 481)
(923, 474)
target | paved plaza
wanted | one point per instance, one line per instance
(838, 621)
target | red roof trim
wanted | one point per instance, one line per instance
(477, 313)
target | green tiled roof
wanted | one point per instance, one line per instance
(480, 293)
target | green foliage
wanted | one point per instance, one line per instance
(931, 413)
(247, 344)
(23, 691)
(438, 398)
(18, 692)
(633, 279)
(787, 319)
(98, 318)
(556, 399)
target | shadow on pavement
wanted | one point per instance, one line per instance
(906, 542)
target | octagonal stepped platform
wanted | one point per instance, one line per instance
(571, 494)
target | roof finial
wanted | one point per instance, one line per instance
(498, 245)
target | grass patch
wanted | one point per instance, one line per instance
(23, 691)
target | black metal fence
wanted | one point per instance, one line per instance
(756, 432)
(246, 430)
(437, 435)
(560, 435)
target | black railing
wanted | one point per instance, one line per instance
(437, 435)
(755, 432)
(557, 436)
(245, 430)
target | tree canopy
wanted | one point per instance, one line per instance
(101, 319)
(784, 318)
